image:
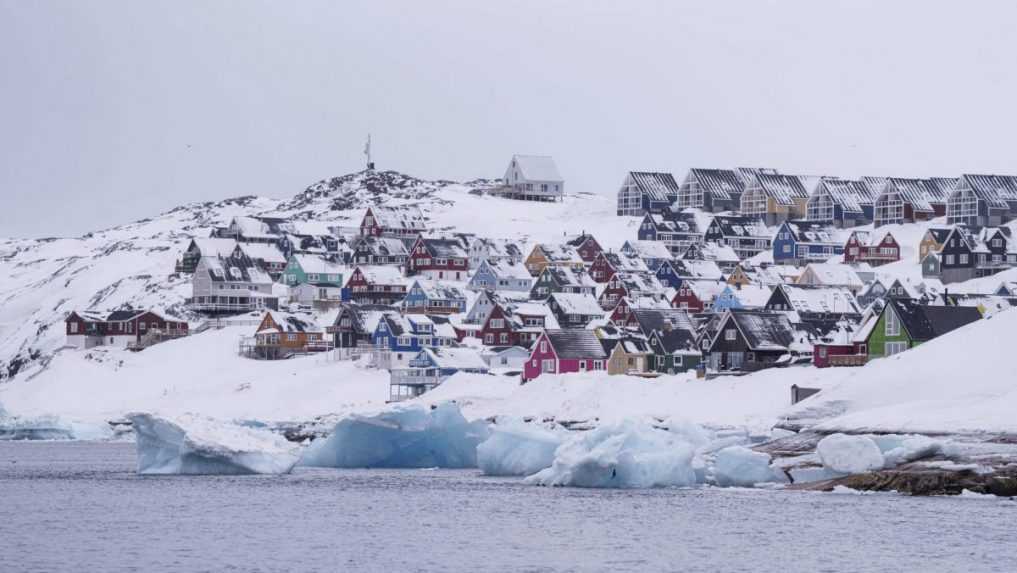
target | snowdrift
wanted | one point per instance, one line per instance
(407, 436)
(198, 445)
(957, 383)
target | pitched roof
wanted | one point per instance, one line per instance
(575, 343)
(783, 189)
(234, 269)
(404, 217)
(537, 167)
(504, 269)
(924, 322)
(720, 183)
(812, 299)
(814, 232)
(647, 249)
(456, 358)
(381, 274)
(314, 264)
(445, 248)
(575, 303)
(657, 186)
(267, 252)
(650, 319)
(849, 194)
(122, 315)
(995, 190)
(767, 331)
(677, 341)
(214, 246)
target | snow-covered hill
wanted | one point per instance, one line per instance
(43, 280)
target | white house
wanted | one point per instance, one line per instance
(534, 178)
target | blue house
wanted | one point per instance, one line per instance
(668, 276)
(501, 276)
(434, 298)
(741, 297)
(676, 230)
(841, 202)
(399, 338)
(802, 242)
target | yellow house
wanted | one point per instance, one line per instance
(544, 255)
(932, 242)
(630, 356)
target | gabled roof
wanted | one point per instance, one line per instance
(657, 186)
(214, 246)
(833, 274)
(389, 246)
(507, 270)
(995, 190)
(575, 303)
(403, 217)
(720, 183)
(740, 226)
(123, 315)
(650, 319)
(436, 290)
(560, 253)
(537, 168)
(850, 195)
(763, 331)
(382, 274)
(234, 269)
(444, 248)
(921, 194)
(811, 299)
(647, 249)
(314, 264)
(687, 268)
(924, 322)
(292, 322)
(567, 276)
(575, 343)
(267, 252)
(783, 189)
(676, 341)
(456, 358)
(814, 232)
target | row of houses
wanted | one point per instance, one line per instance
(773, 197)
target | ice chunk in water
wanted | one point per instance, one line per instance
(196, 445)
(850, 454)
(407, 436)
(621, 455)
(740, 466)
(516, 448)
(898, 449)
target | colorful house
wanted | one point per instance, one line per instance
(802, 242)
(438, 259)
(904, 324)
(303, 268)
(400, 221)
(430, 367)
(841, 202)
(872, 248)
(426, 297)
(501, 275)
(563, 352)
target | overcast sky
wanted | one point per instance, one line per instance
(113, 111)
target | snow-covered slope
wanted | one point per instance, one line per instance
(43, 280)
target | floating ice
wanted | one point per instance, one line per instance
(899, 449)
(39, 428)
(628, 454)
(850, 454)
(408, 436)
(516, 448)
(740, 466)
(196, 445)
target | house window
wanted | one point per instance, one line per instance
(892, 324)
(598, 364)
(543, 346)
(963, 258)
(489, 338)
(74, 327)
(895, 348)
(730, 334)
(497, 323)
(547, 365)
(504, 337)
(948, 260)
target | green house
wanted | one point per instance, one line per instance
(673, 351)
(904, 324)
(304, 268)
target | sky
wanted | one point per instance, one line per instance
(111, 111)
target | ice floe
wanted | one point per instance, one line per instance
(406, 436)
(850, 454)
(197, 445)
(516, 448)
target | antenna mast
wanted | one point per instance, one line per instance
(367, 152)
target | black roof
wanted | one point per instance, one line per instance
(764, 331)
(121, 315)
(924, 322)
(575, 343)
(677, 339)
(662, 319)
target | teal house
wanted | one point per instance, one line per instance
(311, 269)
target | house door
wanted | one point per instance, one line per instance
(734, 360)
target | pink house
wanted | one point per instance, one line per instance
(564, 351)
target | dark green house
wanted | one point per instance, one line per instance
(673, 351)
(904, 324)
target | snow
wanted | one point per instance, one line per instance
(740, 466)
(517, 448)
(198, 445)
(850, 454)
(405, 436)
(627, 454)
(899, 449)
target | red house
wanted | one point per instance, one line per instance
(622, 314)
(497, 329)
(375, 285)
(133, 329)
(696, 296)
(587, 246)
(868, 247)
(565, 351)
(438, 259)
(392, 221)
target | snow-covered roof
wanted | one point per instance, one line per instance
(537, 168)
(575, 303)
(456, 358)
(831, 274)
(575, 343)
(752, 295)
(404, 217)
(647, 249)
(504, 269)
(215, 247)
(656, 185)
(821, 299)
(267, 252)
(381, 274)
(314, 264)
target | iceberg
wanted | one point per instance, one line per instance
(407, 436)
(197, 445)
(627, 454)
(516, 448)
(850, 454)
(741, 467)
(899, 449)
